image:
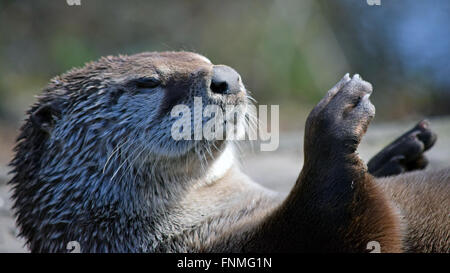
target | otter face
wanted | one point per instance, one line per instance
(99, 143)
(119, 110)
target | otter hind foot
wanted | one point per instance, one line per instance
(404, 154)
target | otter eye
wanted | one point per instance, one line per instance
(147, 82)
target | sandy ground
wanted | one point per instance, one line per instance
(277, 170)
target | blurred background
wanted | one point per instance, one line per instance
(288, 52)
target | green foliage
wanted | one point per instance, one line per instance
(288, 52)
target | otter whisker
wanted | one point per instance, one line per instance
(138, 171)
(123, 163)
(251, 98)
(139, 150)
(201, 157)
(208, 150)
(115, 150)
(251, 124)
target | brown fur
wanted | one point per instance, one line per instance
(65, 190)
(423, 199)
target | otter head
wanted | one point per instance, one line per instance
(100, 140)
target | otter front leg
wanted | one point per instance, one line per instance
(335, 205)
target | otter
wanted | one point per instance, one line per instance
(95, 163)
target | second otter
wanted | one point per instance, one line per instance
(95, 163)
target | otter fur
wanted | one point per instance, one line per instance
(95, 163)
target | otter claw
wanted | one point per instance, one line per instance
(344, 113)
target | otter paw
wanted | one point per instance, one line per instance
(404, 154)
(342, 116)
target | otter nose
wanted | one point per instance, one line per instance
(225, 80)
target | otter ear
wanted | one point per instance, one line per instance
(45, 117)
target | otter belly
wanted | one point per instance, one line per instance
(423, 199)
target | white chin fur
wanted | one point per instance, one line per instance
(220, 166)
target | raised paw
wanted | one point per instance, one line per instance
(405, 154)
(341, 118)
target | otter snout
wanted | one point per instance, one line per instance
(225, 80)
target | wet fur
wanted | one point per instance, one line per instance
(95, 164)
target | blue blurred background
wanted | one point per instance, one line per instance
(288, 52)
